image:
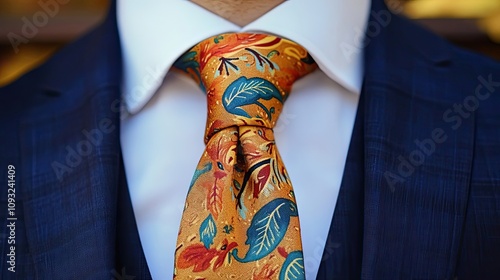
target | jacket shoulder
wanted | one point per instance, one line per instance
(92, 61)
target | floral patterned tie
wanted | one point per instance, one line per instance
(240, 220)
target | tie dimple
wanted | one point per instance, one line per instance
(241, 217)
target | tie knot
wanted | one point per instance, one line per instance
(246, 77)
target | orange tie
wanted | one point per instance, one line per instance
(240, 219)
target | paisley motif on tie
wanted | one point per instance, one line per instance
(241, 219)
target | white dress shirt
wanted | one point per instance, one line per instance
(163, 125)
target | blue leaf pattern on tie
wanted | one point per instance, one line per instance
(293, 268)
(267, 229)
(245, 91)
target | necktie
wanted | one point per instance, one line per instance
(240, 218)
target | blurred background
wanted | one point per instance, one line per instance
(30, 31)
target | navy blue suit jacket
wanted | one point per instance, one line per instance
(420, 197)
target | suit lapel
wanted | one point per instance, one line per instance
(416, 160)
(71, 157)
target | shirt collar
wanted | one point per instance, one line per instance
(154, 33)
